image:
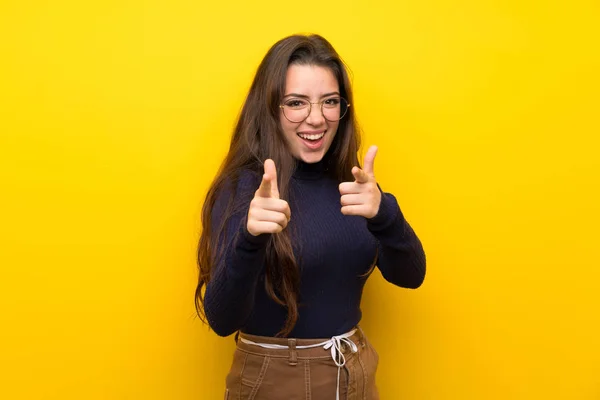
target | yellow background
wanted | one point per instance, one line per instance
(114, 117)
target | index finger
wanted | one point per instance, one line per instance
(360, 175)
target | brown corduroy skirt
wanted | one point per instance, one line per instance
(289, 372)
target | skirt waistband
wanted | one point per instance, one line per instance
(301, 348)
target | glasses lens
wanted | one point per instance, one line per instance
(334, 108)
(296, 110)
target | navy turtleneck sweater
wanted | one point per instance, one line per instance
(333, 251)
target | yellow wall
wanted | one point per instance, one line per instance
(114, 116)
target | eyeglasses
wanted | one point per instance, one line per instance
(297, 110)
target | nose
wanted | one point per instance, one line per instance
(315, 118)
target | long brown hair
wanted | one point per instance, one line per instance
(258, 136)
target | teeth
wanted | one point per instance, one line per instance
(312, 137)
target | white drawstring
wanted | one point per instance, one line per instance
(335, 344)
(338, 357)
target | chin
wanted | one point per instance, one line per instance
(312, 158)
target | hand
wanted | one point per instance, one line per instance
(362, 197)
(268, 213)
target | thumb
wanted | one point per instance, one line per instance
(264, 190)
(369, 166)
(271, 171)
(268, 186)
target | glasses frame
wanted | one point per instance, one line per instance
(310, 104)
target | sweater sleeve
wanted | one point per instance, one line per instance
(401, 258)
(239, 261)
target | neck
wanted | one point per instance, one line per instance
(309, 171)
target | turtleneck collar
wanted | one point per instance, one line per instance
(307, 171)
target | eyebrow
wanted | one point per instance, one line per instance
(307, 97)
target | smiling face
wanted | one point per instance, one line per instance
(310, 139)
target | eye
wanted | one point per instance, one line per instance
(296, 103)
(331, 102)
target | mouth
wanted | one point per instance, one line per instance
(312, 140)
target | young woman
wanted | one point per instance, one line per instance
(292, 228)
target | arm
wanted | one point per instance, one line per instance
(401, 257)
(229, 295)
(240, 256)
